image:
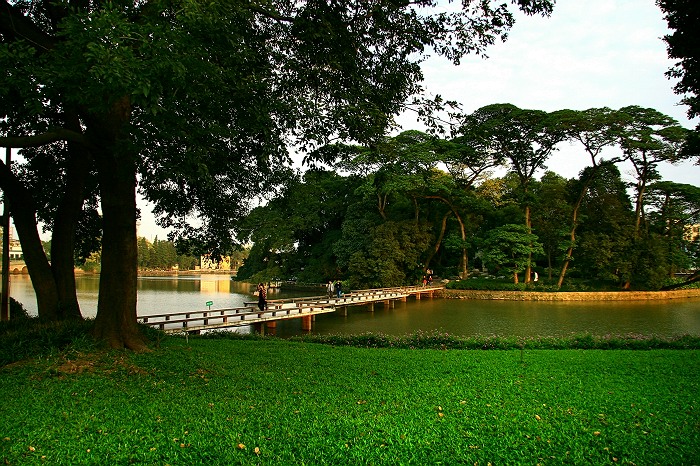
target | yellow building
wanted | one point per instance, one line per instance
(209, 263)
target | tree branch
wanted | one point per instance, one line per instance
(59, 134)
(695, 277)
(269, 14)
(15, 25)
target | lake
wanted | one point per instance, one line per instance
(163, 294)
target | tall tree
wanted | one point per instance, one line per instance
(676, 207)
(604, 238)
(200, 100)
(648, 139)
(552, 208)
(406, 165)
(511, 246)
(595, 129)
(295, 233)
(523, 138)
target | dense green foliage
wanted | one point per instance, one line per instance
(163, 255)
(414, 202)
(442, 341)
(504, 283)
(222, 402)
(28, 337)
(682, 17)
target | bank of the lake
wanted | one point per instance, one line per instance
(599, 296)
(519, 317)
(276, 402)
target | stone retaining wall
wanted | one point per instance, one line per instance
(569, 295)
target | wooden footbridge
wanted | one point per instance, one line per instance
(305, 308)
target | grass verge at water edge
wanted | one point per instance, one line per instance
(224, 401)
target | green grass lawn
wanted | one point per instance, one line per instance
(217, 401)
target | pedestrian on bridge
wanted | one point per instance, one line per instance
(330, 288)
(262, 297)
(339, 288)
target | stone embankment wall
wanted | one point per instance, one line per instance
(569, 295)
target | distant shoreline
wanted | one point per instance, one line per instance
(570, 295)
(165, 273)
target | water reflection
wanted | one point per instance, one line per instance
(159, 295)
(469, 318)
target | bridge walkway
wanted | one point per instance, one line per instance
(305, 308)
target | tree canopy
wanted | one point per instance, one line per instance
(413, 202)
(196, 104)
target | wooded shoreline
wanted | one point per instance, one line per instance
(569, 295)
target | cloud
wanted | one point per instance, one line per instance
(587, 54)
(593, 53)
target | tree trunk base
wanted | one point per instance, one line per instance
(125, 339)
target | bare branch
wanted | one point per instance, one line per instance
(59, 134)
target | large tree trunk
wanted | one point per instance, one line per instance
(438, 242)
(574, 226)
(47, 296)
(381, 204)
(528, 224)
(64, 230)
(695, 277)
(34, 255)
(54, 284)
(464, 263)
(638, 208)
(115, 322)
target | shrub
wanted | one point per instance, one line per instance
(504, 284)
(444, 341)
(17, 310)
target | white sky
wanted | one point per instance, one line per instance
(589, 53)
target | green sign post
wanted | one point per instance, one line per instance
(209, 303)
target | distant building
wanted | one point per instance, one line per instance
(209, 263)
(16, 251)
(15, 247)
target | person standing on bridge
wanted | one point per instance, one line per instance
(262, 297)
(339, 288)
(330, 288)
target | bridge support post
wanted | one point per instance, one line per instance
(306, 323)
(259, 327)
(418, 296)
(370, 307)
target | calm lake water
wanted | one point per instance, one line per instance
(159, 295)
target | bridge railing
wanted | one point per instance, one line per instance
(353, 296)
(224, 317)
(276, 309)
